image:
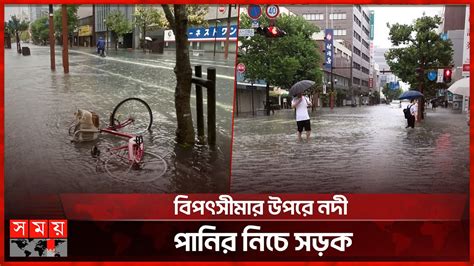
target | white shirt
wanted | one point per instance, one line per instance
(414, 109)
(301, 108)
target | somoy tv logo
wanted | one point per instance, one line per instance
(38, 238)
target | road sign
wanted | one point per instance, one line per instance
(246, 32)
(222, 9)
(254, 11)
(432, 75)
(241, 68)
(466, 70)
(272, 11)
(440, 76)
(255, 24)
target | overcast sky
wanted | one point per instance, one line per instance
(397, 14)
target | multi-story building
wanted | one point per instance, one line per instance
(84, 34)
(101, 12)
(37, 11)
(351, 25)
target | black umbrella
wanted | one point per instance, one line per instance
(412, 94)
(301, 86)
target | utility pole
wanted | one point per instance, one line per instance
(331, 100)
(215, 31)
(51, 38)
(65, 39)
(226, 47)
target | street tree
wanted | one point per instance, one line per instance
(285, 60)
(119, 25)
(146, 16)
(391, 94)
(16, 27)
(40, 31)
(418, 49)
(8, 36)
(72, 22)
(179, 18)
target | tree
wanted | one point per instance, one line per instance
(40, 31)
(119, 25)
(8, 35)
(146, 16)
(178, 18)
(281, 61)
(391, 94)
(72, 21)
(15, 27)
(418, 49)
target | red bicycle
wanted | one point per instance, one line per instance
(129, 119)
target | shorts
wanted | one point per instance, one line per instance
(306, 124)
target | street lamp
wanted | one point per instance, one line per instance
(215, 35)
(106, 35)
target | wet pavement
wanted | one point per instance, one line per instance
(40, 105)
(352, 150)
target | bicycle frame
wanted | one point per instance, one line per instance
(135, 146)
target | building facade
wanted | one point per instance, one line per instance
(101, 12)
(351, 25)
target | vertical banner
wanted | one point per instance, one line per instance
(328, 48)
(371, 25)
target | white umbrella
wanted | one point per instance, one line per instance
(460, 87)
(148, 39)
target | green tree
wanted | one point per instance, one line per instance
(179, 18)
(146, 16)
(72, 21)
(418, 49)
(40, 31)
(15, 27)
(391, 94)
(281, 61)
(119, 25)
(8, 36)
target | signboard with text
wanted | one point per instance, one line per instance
(205, 34)
(328, 48)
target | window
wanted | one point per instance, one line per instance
(356, 65)
(365, 83)
(365, 57)
(313, 16)
(357, 20)
(337, 16)
(365, 30)
(356, 51)
(357, 36)
(356, 81)
(340, 32)
(365, 70)
(366, 44)
(366, 17)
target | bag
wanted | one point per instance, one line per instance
(407, 112)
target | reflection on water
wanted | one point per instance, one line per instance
(363, 149)
(39, 107)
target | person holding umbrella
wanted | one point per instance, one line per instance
(301, 103)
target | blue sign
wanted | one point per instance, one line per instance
(328, 48)
(444, 36)
(254, 11)
(211, 33)
(394, 85)
(432, 75)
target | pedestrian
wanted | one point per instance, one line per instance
(301, 104)
(410, 114)
(101, 46)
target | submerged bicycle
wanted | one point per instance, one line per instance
(129, 119)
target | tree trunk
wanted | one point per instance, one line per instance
(18, 44)
(144, 40)
(183, 71)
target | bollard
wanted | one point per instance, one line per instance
(199, 103)
(211, 106)
(25, 51)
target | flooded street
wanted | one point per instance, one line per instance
(352, 150)
(40, 105)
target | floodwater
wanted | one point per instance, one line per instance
(40, 105)
(352, 150)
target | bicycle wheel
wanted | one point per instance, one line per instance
(132, 115)
(151, 168)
